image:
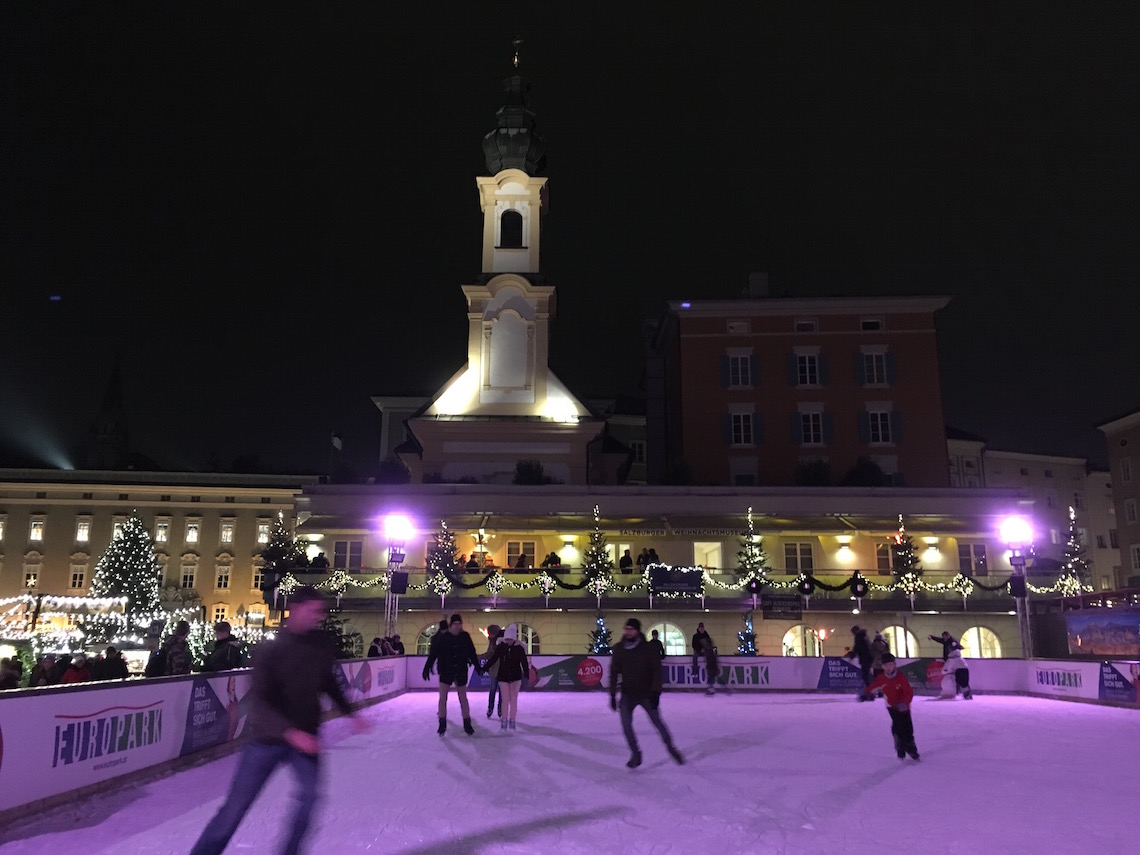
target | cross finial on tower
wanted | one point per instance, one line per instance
(516, 42)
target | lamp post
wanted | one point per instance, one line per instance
(398, 529)
(1017, 534)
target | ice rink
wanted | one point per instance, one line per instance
(765, 773)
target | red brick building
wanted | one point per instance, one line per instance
(782, 391)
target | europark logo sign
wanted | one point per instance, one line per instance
(730, 675)
(1058, 679)
(110, 733)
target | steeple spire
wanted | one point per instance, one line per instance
(515, 143)
(516, 43)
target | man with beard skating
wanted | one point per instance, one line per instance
(636, 662)
(454, 651)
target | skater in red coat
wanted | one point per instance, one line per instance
(896, 689)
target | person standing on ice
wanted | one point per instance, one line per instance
(879, 648)
(454, 651)
(639, 667)
(947, 641)
(861, 650)
(896, 689)
(956, 667)
(289, 675)
(510, 660)
(494, 631)
(656, 644)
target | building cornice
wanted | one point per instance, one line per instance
(1120, 423)
(766, 306)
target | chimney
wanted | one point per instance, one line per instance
(758, 285)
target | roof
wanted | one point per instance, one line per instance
(965, 436)
(815, 305)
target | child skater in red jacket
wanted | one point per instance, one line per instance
(896, 689)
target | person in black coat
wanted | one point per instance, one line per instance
(397, 645)
(227, 653)
(111, 667)
(656, 644)
(454, 651)
(861, 650)
(636, 662)
(699, 639)
(948, 643)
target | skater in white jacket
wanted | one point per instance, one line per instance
(956, 675)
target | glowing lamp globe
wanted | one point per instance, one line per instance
(1016, 530)
(398, 528)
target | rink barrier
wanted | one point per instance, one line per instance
(62, 742)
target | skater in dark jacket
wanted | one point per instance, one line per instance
(699, 638)
(947, 641)
(861, 650)
(454, 651)
(896, 689)
(639, 668)
(656, 644)
(494, 633)
(512, 666)
(879, 648)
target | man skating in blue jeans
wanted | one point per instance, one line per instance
(289, 675)
(636, 662)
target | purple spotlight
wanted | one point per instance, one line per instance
(398, 528)
(686, 304)
(1016, 531)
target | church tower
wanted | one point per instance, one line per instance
(506, 405)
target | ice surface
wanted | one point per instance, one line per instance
(766, 773)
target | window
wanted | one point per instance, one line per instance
(742, 428)
(222, 577)
(228, 531)
(1126, 469)
(797, 557)
(36, 534)
(265, 500)
(972, 559)
(1100, 542)
(117, 528)
(901, 641)
(3, 523)
(162, 530)
(884, 556)
(528, 638)
(637, 446)
(348, 554)
(31, 577)
(871, 324)
(811, 428)
(195, 498)
(78, 576)
(1113, 540)
(189, 572)
(672, 637)
(87, 497)
(800, 640)
(978, 642)
(1054, 536)
(1048, 473)
(739, 326)
(879, 427)
(1135, 549)
(262, 531)
(423, 640)
(807, 369)
(523, 549)
(806, 325)
(220, 612)
(258, 575)
(708, 555)
(1050, 501)
(193, 529)
(739, 371)
(123, 497)
(165, 497)
(874, 369)
(1024, 470)
(1078, 502)
(229, 500)
(1130, 511)
(511, 230)
(82, 531)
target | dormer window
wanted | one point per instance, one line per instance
(511, 230)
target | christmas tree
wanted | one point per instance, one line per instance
(1075, 566)
(746, 638)
(441, 560)
(598, 565)
(752, 559)
(282, 554)
(128, 569)
(907, 570)
(600, 638)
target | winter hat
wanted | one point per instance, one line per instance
(513, 632)
(456, 619)
(634, 623)
(887, 657)
(855, 629)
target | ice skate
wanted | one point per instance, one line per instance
(968, 695)
(442, 727)
(502, 724)
(634, 760)
(710, 691)
(511, 725)
(676, 755)
(468, 728)
(912, 751)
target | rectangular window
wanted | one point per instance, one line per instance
(117, 528)
(1135, 558)
(1101, 543)
(262, 532)
(806, 325)
(188, 574)
(258, 576)
(31, 577)
(165, 497)
(1050, 501)
(972, 559)
(742, 428)
(219, 613)
(738, 327)
(637, 446)
(222, 577)
(162, 531)
(227, 532)
(883, 557)
(348, 554)
(1024, 470)
(1126, 469)
(811, 426)
(880, 427)
(807, 369)
(1048, 473)
(36, 534)
(123, 497)
(871, 324)
(1054, 536)
(1078, 502)
(875, 369)
(520, 550)
(82, 532)
(797, 557)
(1113, 540)
(740, 371)
(3, 523)
(78, 577)
(1130, 511)
(193, 529)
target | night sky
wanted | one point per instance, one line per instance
(268, 211)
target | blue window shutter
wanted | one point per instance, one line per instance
(892, 373)
(793, 371)
(724, 378)
(896, 427)
(828, 429)
(726, 428)
(757, 428)
(864, 428)
(860, 370)
(824, 374)
(797, 429)
(754, 369)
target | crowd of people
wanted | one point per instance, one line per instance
(385, 646)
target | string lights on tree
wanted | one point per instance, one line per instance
(600, 638)
(908, 571)
(127, 569)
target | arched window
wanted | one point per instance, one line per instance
(800, 640)
(901, 641)
(511, 230)
(423, 640)
(978, 642)
(672, 637)
(527, 637)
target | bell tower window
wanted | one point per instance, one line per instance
(511, 230)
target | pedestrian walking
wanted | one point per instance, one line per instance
(638, 668)
(454, 651)
(289, 675)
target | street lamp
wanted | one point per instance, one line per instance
(1017, 534)
(399, 529)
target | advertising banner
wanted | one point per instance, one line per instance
(1065, 679)
(217, 710)
(1120, 682)
(1103, 632)
(839, 674)
(670, 580)
(547, 673)
(782, 607)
